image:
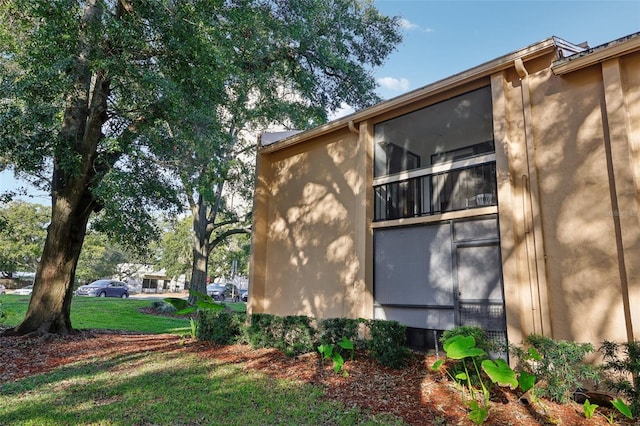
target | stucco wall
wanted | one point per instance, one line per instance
(313, 263)
(581, 184)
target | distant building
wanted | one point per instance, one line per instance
(146, 279)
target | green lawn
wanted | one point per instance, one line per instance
(103, 313)
(169, 389)
(159, 388)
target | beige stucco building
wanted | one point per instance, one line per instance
(506, 196)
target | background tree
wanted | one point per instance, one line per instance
(23, 229)
(277, 62)
(99, 258)
(236, 248)
(175, 248)
(98, 98)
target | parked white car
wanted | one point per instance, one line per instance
(24, 291)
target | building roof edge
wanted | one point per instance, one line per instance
(485, 69)
(597, 54)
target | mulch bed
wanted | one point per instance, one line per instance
(416, 394)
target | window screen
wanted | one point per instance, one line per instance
(413, 265)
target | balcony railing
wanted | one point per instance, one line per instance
(461, 186)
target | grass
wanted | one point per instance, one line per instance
(169, 389)
(107, 313)
(160, 388)
(103, 313)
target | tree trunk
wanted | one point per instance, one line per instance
(49, 309)
(200, 248)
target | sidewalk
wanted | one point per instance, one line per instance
(160, 296)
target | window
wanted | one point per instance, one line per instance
(436, 159)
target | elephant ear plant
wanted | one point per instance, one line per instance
(329, 351)
(463, 348)
(203, 302)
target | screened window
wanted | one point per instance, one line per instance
(460, 127)
(437, 159)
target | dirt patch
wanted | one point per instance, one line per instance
(416, 394)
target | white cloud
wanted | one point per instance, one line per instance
(395, 84)
(405, 24)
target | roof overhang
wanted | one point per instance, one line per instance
(486, 69)
(597, 54)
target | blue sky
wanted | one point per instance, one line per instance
(442, 38)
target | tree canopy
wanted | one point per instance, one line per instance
(23, 228)
(114, 106)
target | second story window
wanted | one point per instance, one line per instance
(436, 159)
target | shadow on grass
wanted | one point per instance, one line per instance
(166, 388)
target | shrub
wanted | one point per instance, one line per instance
(258, 332)
(333, 330)
(163, 307)
(622, 369)
(222, 327)
(298, 335)
(463, 348)
(561, 366)
(291, 334)
(387, 343)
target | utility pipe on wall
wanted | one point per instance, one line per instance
(531, 209)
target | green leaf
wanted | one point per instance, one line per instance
(526, 380)
(462, 376)
(499, 372)
(534, 354)
(589, 408)
(209, 306)
(201, 296)
(436, 365)
(477, 414)
(459, 347)
(325, 350)
(177, 303)
(622, 407)
(346, 343)
(338, 362)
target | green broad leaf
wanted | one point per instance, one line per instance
(499, 372)
(186, 311)
(589, 408)
(461, 376)
(436, 365)
(459, 347)
(209, 306)
(201, 296)
(177, 302)
(526, 380)
(346, 343)
(622, 407)
(338, 362)
(325, 350)
(182, 306)
(477, 414)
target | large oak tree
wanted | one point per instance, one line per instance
(114, 105)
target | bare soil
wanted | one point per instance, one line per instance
(416, 394)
